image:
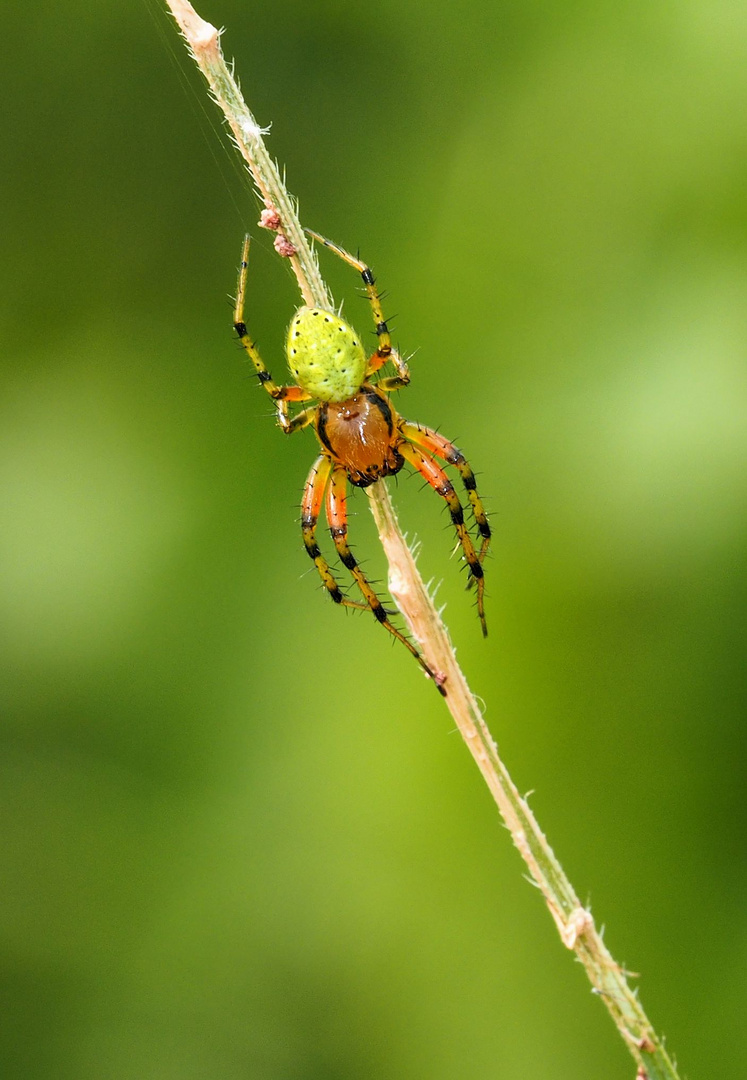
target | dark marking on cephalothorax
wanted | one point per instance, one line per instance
(381, 404)
(321, 426)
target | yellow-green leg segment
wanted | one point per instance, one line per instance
(384, 351)
(281, 395)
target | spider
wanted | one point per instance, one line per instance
(361, 436)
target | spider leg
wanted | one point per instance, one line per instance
(436, 444)
(281, 395)
(440, 482)
(311, 504)
(301, 420)
(337, 516)
(384, 351)
(394, 382)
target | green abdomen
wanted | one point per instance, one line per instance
(325, 354)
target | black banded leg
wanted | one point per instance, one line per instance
(311, 505)
(281, 395)
(439, 481)
(384, 351)
(337, 517)
(436, 444)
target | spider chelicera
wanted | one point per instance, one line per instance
(362, 438)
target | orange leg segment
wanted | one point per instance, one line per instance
(311, 505)
(337, 516)
(436, 444)
(439, 481)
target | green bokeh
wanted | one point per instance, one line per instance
(240, 838)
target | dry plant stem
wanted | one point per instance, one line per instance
(574, 922)
(204, 44)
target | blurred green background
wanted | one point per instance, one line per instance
(240, 836)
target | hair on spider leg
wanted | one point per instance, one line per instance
(390, 328)
(424, 485)
(376, 581)
(260, 377)
(407, 475)
(476, 608)
(458, 550)
(389, 320)
(254, 375)
(320, 588)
